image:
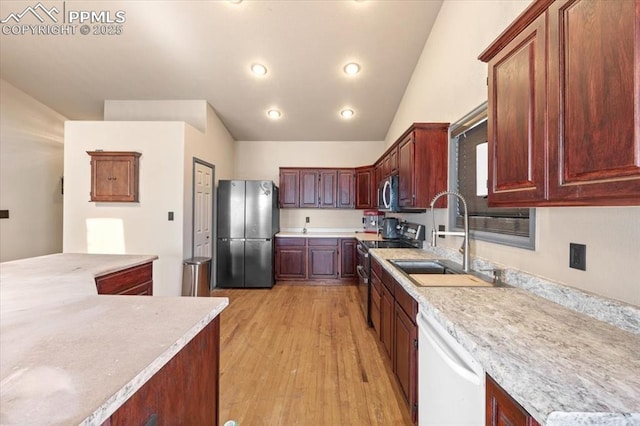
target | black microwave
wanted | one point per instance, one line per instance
(388, 194)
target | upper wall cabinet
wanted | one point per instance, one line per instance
(422, 165)
(317, 188)
(114, 176)
(564, 105)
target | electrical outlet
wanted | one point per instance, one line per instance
(306, 220)
(578, 256)
(441, 228)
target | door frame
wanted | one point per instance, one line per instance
(213, 214)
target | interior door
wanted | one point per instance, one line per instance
(202, 210)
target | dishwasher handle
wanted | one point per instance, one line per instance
(449, 350)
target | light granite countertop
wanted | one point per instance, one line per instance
(563, 367)
(360, 235)
(70, 356)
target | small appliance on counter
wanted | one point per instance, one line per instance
(372, 221)
(390, 228)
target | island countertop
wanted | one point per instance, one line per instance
(69, 356)
(563, 367)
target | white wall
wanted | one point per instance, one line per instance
(261, 160)
(146, 228)
(193, 112)
(449, 82)
(31, 155)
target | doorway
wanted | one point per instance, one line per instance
(203, 212)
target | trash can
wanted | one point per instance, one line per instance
(195, 276)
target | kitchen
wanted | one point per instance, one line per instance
(443, 88)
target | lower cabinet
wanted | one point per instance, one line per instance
(184, 391)
(501, 409)
(136, 281)
(393, 313)
(315, 259)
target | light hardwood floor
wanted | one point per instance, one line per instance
(302, 355)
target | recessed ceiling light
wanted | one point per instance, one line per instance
(352, 68)
(258, 69)
(347, 113)
(235, 1)
(274, 114)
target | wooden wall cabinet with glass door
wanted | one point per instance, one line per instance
(564, 105)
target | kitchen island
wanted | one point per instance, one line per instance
(563, 367)
(71, 356)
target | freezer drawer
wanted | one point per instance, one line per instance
(230, 265)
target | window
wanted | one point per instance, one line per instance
(468, 166)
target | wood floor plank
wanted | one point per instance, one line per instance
(302, 355)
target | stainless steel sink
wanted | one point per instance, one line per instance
(426, 266)
(409, 267)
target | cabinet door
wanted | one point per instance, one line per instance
(502, 410)
(405, 363)
(406, 194)
(364, 188)
(376, 297)
(393, 162)
(291, 258)
(328, 188)
(289, 188)
(594, 113)
(323, 258)
(346, 189)
(516, 125)
(348, 258)
(114, 176)
(387, 306)
(309, 195)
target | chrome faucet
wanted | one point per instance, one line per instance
(435, 233)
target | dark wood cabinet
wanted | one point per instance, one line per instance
(328, 189)
(393, 313)
(329, 259)
(406, 357)
(348, 259)
(406, 190)
(366, 188)
(346, 191)
(564, 106)
(502, 410)
(309, 188)
(291, 258)
(422, 165)
(387, 314)
(323, 258)
(135, 281)
(317, 188)
(183, 391)
(114, 176)
(289, 188)
(376, 298)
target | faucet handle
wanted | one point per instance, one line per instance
(498, 275)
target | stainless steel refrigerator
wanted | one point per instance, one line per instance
(248, 219)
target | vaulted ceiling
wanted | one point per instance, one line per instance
(204, 50)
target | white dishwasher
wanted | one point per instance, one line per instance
(451, 384)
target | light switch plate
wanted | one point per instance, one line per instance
(578, 256)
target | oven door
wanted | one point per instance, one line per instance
(363, 281)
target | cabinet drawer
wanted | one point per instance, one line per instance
(408, 303)
(376, 267)
(388, 281)
(323, 241)
(126, 281)
(299, 242)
